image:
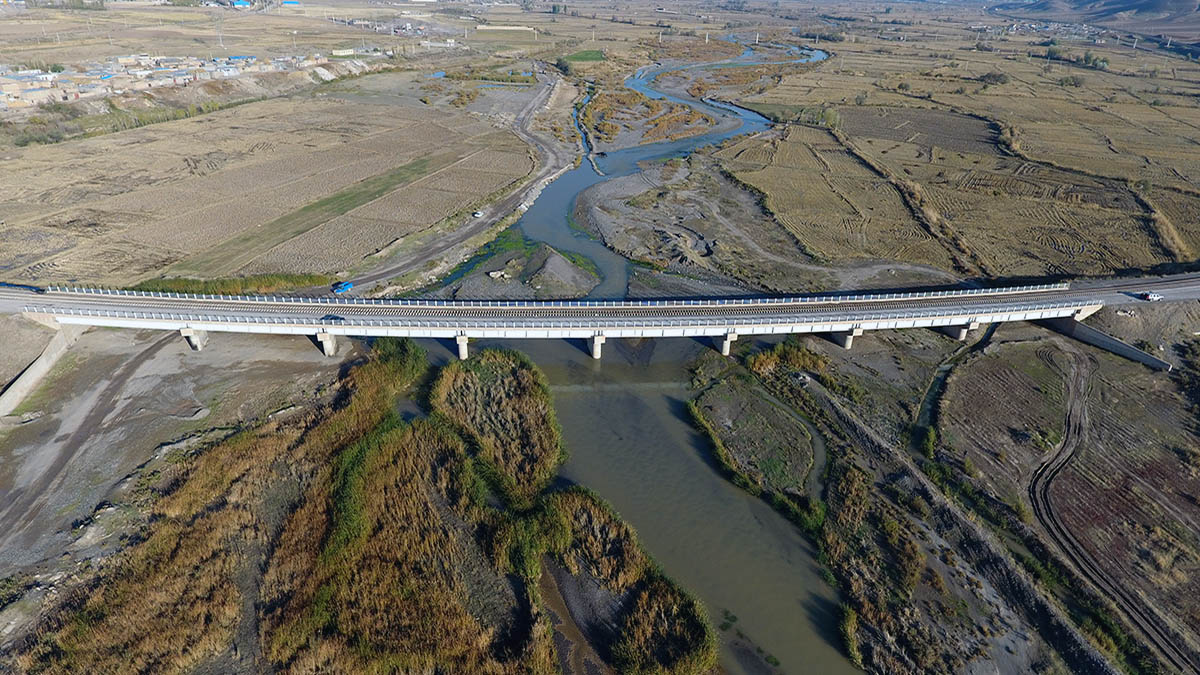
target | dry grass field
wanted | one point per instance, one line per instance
(281, 185)
(1014, 164)
(833, 203)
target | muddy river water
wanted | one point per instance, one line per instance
(626, 427)
(627, 430)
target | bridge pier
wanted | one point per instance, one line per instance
(597, 345)
(462, 347)
(845, 339)
(196, 339)
(957, 332)
(727, 343)
(328, 343)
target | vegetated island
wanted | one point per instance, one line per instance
(348, 539)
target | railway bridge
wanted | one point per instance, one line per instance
(841, 317)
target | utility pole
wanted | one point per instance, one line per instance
(706, 37)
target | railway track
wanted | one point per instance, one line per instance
(755, 308)
(500, 310)
(749, 312)
(1075, 433)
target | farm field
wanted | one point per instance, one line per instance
(1016, 155)
(1124, 495)
(231, 191)
(834, 204)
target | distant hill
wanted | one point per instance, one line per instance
(1177, 18)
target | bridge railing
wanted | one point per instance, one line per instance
(713, 302)
(842, 316)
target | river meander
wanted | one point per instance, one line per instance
(626, 427)
(547, 218)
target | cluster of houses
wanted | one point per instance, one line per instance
(21, 88)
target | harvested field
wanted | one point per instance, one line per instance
(834, 204)
(931, 107)
(921, 127)
(225, 192)
(1014, 217)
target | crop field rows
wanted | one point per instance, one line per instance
(141, 200)
(370, 228)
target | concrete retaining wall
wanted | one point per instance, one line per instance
(32, 376)
(1088, 335)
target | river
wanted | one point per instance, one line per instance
(547, 218)
(630, 440)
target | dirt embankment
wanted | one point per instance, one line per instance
(25, 340)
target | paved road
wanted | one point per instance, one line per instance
(844, 307)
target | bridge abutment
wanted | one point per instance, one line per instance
(196, 339)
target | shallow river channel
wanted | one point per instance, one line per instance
(627, 430)
(626, 427)
(547, 218)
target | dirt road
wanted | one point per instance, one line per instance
(1075, 434)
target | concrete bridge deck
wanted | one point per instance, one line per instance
(842, 316)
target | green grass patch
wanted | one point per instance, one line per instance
(257, 283)
(349, 480)
(582, 262)
(232, 254)
(586, 55)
